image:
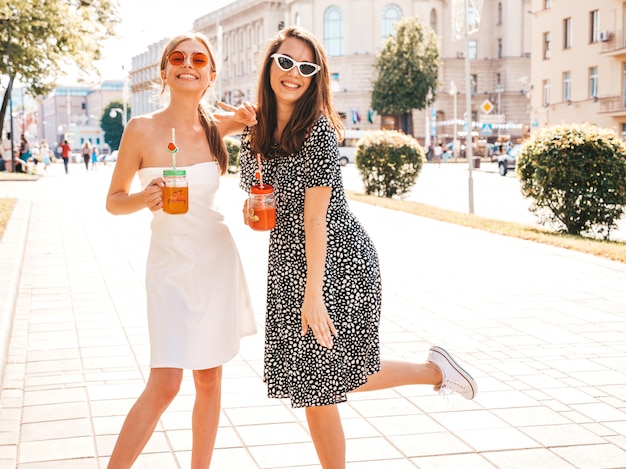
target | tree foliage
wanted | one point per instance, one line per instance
(48, 36)
(233, 147)
(113, 126)
(389, 162)
(408, 68)
(576, 177)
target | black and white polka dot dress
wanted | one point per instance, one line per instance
(298, 367)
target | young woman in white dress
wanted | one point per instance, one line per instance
(197, 296)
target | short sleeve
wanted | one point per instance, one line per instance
(321, 154)
(247, 163)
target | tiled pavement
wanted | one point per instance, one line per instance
(542, 329)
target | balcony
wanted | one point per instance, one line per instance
(614, 44)
(613, 105)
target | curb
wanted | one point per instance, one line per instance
(12, 248)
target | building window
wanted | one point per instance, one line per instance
(333, 31)
(567, 86)
(391, 15)
(499, 48)
(567, 33)
(624, 84)
(546, 46)
(546, 93)
(547, 4)
(594, 26)
(433, 20)
(474, 83)
(624, 131)
(473, 49)
(593, 82)
(499, 12)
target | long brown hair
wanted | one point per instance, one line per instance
(208, 122)
(316, 101)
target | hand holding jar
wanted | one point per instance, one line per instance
(175, 191)
(260, 209)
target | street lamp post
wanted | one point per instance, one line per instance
(468, 112)
(499, 90)
(115, 110)
(453, 92)
(427, 125)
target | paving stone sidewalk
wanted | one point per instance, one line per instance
(542, 329)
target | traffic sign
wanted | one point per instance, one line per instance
(487, 129)
(486, 106)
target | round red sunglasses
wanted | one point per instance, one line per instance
(198, 59)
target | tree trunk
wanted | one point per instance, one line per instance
(5, 102)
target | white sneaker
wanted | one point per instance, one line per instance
(455, 378)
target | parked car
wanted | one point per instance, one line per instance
(507, 161)
(347, 148)
(111, 158)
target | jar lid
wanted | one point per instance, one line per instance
(174, 172)
(258, 189)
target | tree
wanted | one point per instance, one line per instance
(575, 175)
(47, 37)
(389, 162)
(112, 124)
(408, 69)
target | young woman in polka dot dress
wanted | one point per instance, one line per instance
(324, 289)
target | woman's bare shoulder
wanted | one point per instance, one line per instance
(144, 123)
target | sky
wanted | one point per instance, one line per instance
(145, 22)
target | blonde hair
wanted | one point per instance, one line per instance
(208, 122)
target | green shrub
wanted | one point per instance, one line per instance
(389, 162)
(233, 146)
(576, 178)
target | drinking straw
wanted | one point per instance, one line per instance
(172, 148)
(259, 173)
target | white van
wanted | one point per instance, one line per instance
(347, 148)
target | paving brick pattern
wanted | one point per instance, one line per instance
(542, 329)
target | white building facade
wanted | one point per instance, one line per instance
(353, 33)
(579, 63)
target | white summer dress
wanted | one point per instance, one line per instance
(197, 296)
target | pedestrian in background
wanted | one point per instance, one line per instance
(6, 152)
(94, 157)
(86, 154)
(197, 296)
(66, 151)
(438, 153)
(25, 153)
(324, 289)
(46, 155)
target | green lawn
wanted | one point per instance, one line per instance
(610, 249)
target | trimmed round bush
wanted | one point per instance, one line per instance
(389, 162)
(233, 146)
(576, 178)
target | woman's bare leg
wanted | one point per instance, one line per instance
(206, 415)
(327, 434)
(441, 370)
(163, 385)
(396, 373)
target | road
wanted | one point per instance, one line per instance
(447, 186)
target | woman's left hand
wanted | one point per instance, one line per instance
(315, 315)
(245, 114)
